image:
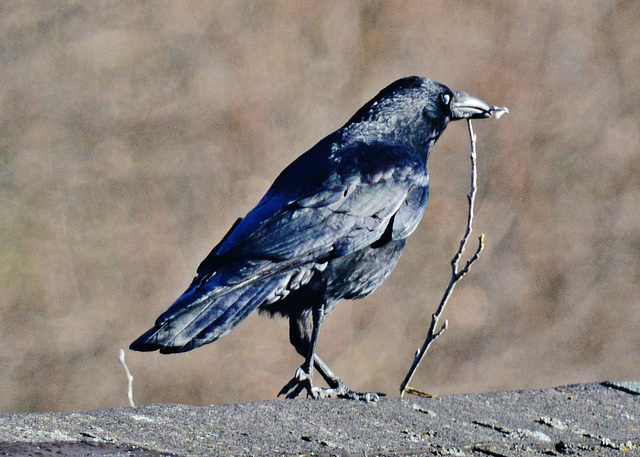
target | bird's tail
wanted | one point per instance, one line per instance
(212, 306)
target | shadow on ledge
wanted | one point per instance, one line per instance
(587, 419)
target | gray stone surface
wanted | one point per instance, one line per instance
(590, 419)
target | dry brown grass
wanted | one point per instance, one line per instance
(134, 133)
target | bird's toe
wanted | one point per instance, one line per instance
(302, 380)
(342, 391)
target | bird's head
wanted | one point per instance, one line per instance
(413, 111)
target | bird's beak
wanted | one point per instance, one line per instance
(465, 106)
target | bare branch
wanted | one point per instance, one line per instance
(456, 274)
(129, 379)
(499, 111)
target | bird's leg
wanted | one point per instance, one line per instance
(329, 376)
(337, 387)
(303, 378)
(301, 334)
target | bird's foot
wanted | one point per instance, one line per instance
(303, 381)
(342, 391)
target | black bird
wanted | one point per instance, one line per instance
(332, 226)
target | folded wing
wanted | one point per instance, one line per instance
(321, 207)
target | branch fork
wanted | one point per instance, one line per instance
(456, 274)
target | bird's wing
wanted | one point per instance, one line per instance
(320, 207)
(342, 208)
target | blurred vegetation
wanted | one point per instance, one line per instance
(134, 133)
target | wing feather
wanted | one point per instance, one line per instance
(344, 203)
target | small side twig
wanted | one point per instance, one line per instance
(129, 379)
(456, 274)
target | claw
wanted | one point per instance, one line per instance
(342, 391)
(303, 381)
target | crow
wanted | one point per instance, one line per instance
(332, 226)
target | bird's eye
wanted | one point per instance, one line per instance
(446, 98)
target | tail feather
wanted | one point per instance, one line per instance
(249, 300)
(206, 311)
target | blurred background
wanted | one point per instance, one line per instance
(133, 134)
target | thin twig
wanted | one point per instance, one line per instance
(456, 274)
(129, 379)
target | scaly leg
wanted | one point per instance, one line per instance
(303, 379)
(303, 334)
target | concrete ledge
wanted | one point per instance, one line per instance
(601, 419)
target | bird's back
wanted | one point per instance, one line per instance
(332, 225)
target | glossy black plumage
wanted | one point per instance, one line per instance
(332, 226)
